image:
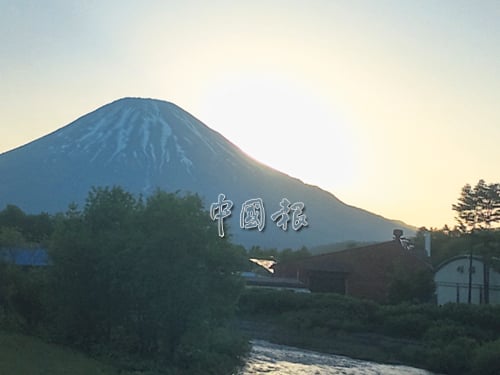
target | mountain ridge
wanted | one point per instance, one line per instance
(144, 144)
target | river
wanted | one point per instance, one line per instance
(272, 359)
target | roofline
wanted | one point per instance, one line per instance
(457, 257)
(341, 251)
(426, 263)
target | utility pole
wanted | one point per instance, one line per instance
(469, 296)
(486, 282)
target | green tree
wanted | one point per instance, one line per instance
(446, 243)
(146, 278)
(260, 253)
(478, 207)
(11, 237)
(288, 255)
(414, 287)
(478, 211)
(34, 228)
(12, 216)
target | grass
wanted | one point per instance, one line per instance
(21, 354)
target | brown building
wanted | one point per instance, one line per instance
(363, 272)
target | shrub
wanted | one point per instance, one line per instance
(455, 357)
(443, 331)
(487, 359)
(217, 352)
(409, 325)
(271, 302)
(21, 297)
(416, 287)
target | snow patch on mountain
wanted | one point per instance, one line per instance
(193, 127)
(182, 156)
(122, 138)
(122, 127)
(92, 134)
(166, 132)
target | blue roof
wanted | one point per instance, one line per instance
(25, 256)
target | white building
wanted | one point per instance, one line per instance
(452, 281)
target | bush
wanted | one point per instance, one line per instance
(416, 287)
(454, 357)
(271, 302)
(21, 298)
(487, 359)
(219, 351)
(409, 325)
(453, 339)
(318, 308)
(443, 332)
(484, 316)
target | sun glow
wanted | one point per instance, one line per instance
(276, 120)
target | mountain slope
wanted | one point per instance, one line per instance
(144, 144)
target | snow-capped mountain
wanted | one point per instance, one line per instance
(145, 144)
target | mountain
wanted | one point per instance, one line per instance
(145, 144)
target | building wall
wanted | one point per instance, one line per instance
(494, 287)
(452, 282)
(366, 270)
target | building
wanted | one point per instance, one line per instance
(253, 280)
(456, 277)
(262, 277)
(26, 257)
(363, 272)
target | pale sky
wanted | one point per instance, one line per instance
(392, 106)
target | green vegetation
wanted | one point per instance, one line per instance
(477, 232)
(413, 287)
(148, 285)
(21, 298)
(18, 228)
(26, 355)
(478, 218)
(478, 207)
(452, 339)
(284, 255)
(339, 246)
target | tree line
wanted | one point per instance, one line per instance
(20, 229)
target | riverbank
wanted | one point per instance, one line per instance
(364, 346)
(450, 339)
(273, 359)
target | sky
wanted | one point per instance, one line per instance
(392, 106)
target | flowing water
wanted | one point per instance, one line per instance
(271, 359)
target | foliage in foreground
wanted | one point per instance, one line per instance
(21, 298)
(146, 284)
(146, 279)
(452, 339)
